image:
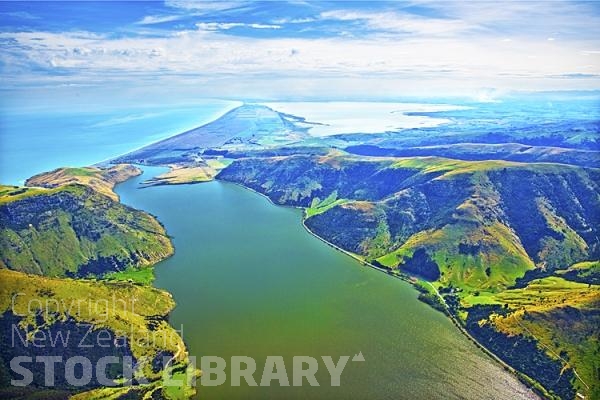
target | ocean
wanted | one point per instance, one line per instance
(34, 140)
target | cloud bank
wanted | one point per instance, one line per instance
(276, 50)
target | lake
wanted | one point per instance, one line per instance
(250, 281)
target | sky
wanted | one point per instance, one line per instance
(179, 50)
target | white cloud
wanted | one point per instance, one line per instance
(264, 26)
(294, 20)
(399, 22)
(204, 6)
(216, 26)
(158, 19)
(416, 54)
(209, 52)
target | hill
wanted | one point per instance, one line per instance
(101, 180)
(484, 151)
(467, 215)
(83, 314)
(75, 230)
(479, 231)
(70, 224)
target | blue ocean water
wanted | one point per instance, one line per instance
(34, 140)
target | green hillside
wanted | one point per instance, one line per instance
(70, 224)
(73, 230)
(134, 316)
(484, 223)
(480, 231)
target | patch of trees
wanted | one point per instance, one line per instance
(583, 276)
(531, 275)
(344, 227)
(422, 265)
(102, 265)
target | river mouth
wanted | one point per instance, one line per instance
(250, 281)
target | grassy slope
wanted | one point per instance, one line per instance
(562, 316)
(102, 180)
(111, 308)
(72, 229)
(318, 206)
(14, 193)
(502, 254)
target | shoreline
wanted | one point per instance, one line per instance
(520, 376)
(524, 379)
(197, 125)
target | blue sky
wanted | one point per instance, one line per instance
(182, 49)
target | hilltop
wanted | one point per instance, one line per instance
(102, 180)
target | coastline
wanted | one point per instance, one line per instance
(520, 376)
(529, 382)
(233, 104)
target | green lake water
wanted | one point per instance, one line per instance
(250, 281)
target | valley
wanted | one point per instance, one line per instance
(492, 227)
